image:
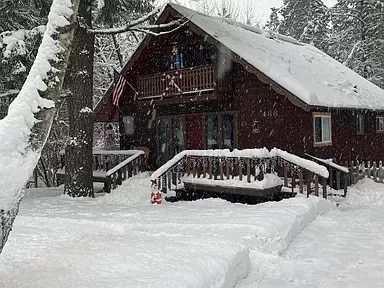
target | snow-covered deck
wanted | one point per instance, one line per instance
(256, 172)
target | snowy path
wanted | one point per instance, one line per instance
(341, 248)
(120, 240)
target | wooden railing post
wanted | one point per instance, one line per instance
(240, 170)
(119, 177)
(324, 188)
(345, 183)
(204, 167)
(285, 172)
(221, 163)
(194, 164)
(309, 181)
(210, 167)
(301, 181)
(227, 166)
(316, 185)
(381, 172)
(338, 180)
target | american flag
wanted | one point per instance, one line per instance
(119, 83)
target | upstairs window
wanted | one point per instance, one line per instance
(322, 128)
(359, 124)
(379, 124)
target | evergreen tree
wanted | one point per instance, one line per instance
(305, 20)
(358, 37)
(274, 22)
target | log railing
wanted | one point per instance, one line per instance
(339, 176)
(112, 167)
(248, 165)
(198, 79)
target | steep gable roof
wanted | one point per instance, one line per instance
(303, 70)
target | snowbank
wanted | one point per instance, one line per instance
(365, 192)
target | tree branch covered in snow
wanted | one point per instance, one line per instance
(25, 130)
(129, 26)
(144, 28)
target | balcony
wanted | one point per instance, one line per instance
(192, 81)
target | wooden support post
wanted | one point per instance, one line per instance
(324, 181)
(124, 171)
(301, 181)
(374, 171)
(338, 179)
(309, 181)
(188, 165)
(119, 177)
(210, 167)
(170, 178)
(248, 171)
(316, 185)
(194, 167)
(331, 176)
(293, 180)
(240, 170)
(227, 164)
(221, 168)
(164, 184)
(285, 171)
(107, 185)
(198, 170)
(204, 167)
(114, 181)
(380, 173)
(345, 184)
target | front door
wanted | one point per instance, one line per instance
(194, 125)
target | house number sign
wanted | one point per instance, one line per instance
(270, 113)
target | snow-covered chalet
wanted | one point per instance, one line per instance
(215, 83)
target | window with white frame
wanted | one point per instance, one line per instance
(379, 123)
(360, 124)
(322, 128)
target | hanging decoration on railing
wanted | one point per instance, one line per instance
(176, 63)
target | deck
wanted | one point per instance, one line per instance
(255, 173)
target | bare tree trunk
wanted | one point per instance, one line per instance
(11, 189)
(79, 80)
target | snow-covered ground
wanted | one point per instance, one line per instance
(121, 240)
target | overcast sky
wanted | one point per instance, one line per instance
(261, 8)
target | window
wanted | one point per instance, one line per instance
(379, 123)
(322, 128)
(359, 124)
(228, 131)
(220, 131)
(129, 125)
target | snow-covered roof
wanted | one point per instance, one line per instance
(303, 70)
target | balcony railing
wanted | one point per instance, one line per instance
(193, 80)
